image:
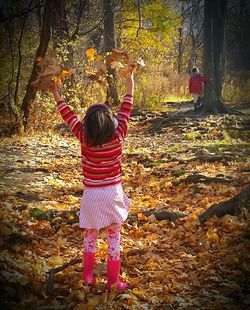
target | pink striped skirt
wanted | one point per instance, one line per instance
(103, 206)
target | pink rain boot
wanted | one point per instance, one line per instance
(88, 268)
(113, 269)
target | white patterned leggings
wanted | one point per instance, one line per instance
(113, 236)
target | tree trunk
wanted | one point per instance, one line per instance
(62, 46)
(41, 51)
(180, 49)
(109, 44)
(61, 34)
(180, 41)
(214, 54)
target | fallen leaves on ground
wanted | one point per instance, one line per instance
(169, 265)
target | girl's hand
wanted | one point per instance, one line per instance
(131, 71)
(53, 88)
(130, 80)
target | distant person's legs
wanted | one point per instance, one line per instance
(195, 100)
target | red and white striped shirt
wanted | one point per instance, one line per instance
(101, 165)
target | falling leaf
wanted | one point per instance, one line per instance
(117, 55)
(124, 71)
(90, 54)
(57, 80)
(66, 73)
(89, 70)
(116, 65)
(99, 58)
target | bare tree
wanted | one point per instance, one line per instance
(41, 52)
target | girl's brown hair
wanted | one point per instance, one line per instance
(98, 125)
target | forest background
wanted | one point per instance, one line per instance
(180, 167)
(167, 35)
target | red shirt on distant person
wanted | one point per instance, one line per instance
(196, 80)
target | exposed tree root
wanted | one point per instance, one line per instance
(230, 206)
(51, 272)
(207, 158)
(160, 215)
(197, 178)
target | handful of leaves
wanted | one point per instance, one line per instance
(116, 59)
(49, 73)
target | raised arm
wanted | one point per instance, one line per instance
(206, 79)
(124, 113)
(68, 114)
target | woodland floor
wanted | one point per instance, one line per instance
(169, 265)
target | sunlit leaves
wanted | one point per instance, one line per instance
(116, 60)
(89, 70)
(179, 263)
(67, 73)
(57, 80)
(50, 73)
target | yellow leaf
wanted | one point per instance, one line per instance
(90, 54)
(38, 268)
(138, 292)
(56, 80)
(123, 275)
(55, 261)
(141, 217)
(92, 58)
(223, 189)
(66, 73)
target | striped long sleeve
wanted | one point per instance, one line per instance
(71, 119)
(124, 116)
(101, 165)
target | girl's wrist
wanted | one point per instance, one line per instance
(58, 98)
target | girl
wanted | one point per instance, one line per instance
(195, 86)
(103, 204)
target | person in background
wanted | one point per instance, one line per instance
(196, 81)
(104, 203)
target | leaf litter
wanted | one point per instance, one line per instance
(169, 265)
